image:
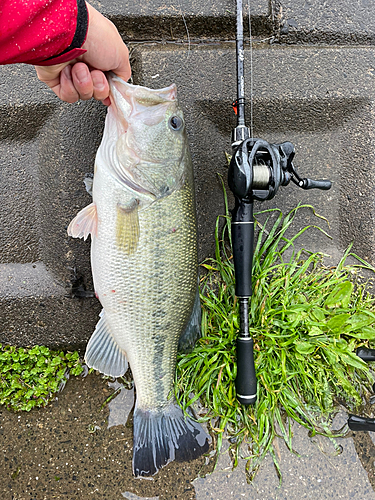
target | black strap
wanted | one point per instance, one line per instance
(81, 29)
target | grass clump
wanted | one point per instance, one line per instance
(29, 378)
(306, 319)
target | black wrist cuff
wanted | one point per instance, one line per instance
(81, 29)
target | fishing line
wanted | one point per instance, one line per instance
(188, 37)
(157, 42)
(187, 30)
(251, 72)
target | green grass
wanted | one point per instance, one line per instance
(307, 321)
(30, 378)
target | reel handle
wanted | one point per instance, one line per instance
(305, 183)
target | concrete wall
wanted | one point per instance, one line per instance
(314, 84)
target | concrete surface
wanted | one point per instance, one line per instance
(310, 87)
(347, 22)
(176, 20)
(74, 449)
(316, 470)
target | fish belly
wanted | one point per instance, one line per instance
(148, 293)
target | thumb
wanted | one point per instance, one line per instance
(50, 75)
(123, 69)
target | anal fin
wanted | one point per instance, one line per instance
(103, 353)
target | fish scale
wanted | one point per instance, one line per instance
(158, 284)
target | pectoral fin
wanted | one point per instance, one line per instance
(84, 223)
(127, 227)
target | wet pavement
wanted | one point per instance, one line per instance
(67, 451)
(78, 448)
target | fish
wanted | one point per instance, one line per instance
(142, 222)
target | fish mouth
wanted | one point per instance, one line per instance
(159, 95)
(129, 100)
(134, 102)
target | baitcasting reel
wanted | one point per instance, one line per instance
(258, 169)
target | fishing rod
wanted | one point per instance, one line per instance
(256, 171)
(356, 422)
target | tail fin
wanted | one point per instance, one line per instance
(163, 436)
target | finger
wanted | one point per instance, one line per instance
(50, 75)
(67, 91)
(82, 81)
(100, 84)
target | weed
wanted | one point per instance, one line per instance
(307, 321)
(29, 378)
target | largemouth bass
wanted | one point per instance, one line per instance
(144, 264)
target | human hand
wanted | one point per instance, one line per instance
(84, 78)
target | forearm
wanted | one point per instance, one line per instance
(39, 30)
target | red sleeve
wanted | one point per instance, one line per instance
(32, 31)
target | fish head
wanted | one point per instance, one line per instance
(151, 142)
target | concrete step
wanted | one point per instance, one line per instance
(173, 21)
(321, 98)
(313, 21)
(37, 310)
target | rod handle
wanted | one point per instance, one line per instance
(366, 354)
(246, 382)
(243, 246)
(356, 423)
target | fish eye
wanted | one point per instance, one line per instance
(176, 123)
